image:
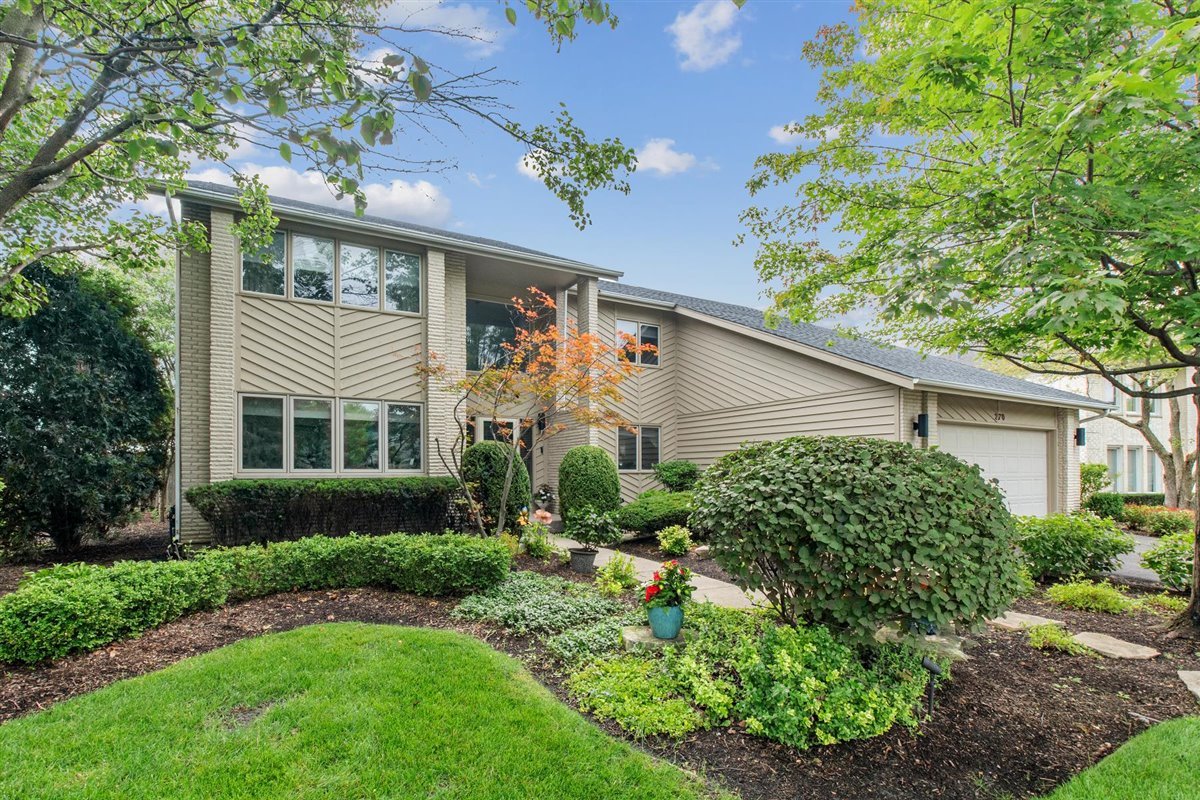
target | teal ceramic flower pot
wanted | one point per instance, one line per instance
(665, 621)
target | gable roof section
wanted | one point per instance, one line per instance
(227, 197)
(917, 370)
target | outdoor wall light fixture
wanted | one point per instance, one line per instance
(1081, 436)
(921, 426)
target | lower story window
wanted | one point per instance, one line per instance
(312, 434)
(262, 433)
(404, 436)
(360, 435)
(639, 448)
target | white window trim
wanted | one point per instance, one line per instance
(479, 419)
(639, 469)
(619, 342)
(288, 273)
(286, 422)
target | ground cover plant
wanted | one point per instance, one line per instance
(1159, 764)
(1055, 637)
(530, 603)
(616, 576)
(654, 510)
(321, 712)
(1091, 596)
(80, 607)
(1065, 545)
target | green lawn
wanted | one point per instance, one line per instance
(330, 711)
(1162, 763)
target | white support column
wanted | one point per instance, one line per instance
(445, 336)
(222, 398)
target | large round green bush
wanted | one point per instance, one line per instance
(588, 476)
(485, 464)
(1064, 545)
(858, 533)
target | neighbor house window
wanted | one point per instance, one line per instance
(633, 336)
(360, 435)
(358, 277)
(402, 282)
(265, 271)
(1153, 472)
(1152, 404)
(1114, 468)
(1133, 475)
(262, 433)
(312, 268)
(403, 436)
(1131, 405)
(638, 449)
(490, 326)
(312, 434)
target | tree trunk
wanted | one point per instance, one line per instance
(1191, 616)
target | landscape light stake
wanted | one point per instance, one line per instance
(934, 671)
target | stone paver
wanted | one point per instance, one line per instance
(1016, 621)
(714, 591)
(1191, 679)
(1112, 647)
(640, 639)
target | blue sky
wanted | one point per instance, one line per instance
(695, 87)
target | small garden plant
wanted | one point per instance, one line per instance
(675, 540)
(1065, 545)
(1055, 637)
(593, 528)
(670, 586)
(1091, 596)
(1172, 558)
(535, 536)
(616, 576)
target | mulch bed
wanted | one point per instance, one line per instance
(648, 548)
(1013, 721)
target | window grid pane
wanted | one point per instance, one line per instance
(627, 336)
(1133, 480)
(312, 268)
(359, 276)
(650, 337)
(360, 435)
(626, 449)
(402, 282)
(312, 434)
(263, 271)
(1114, 468)
(650, 449)
(404, 436)
(1153, 471)
(262, 433)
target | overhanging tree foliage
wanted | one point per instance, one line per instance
(82, 410)
(101, 101)
(1015, 179)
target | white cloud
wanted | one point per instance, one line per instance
(484, 34)
(704, 36)
(660, 155)
(525, 166)
(415, 201)
(784, 134)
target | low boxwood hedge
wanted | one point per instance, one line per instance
(1144, 499)
(655, 510)
(80, 607)
(280, 509)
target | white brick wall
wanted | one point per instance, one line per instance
(222, 399)
(192, 402)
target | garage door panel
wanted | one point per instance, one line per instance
(1015, 458)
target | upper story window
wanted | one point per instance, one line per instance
(1133, 405)
(638, 450)
(489, 327)
(632, 336)
(324, 270)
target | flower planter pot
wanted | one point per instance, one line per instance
(665, 621)
(583, 560)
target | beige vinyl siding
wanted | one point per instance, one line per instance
(983, 411)
(705, 436)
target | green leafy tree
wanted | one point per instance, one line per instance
(82, 407)
(100, 103)
(1017, 180)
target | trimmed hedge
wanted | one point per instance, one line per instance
(1106, 504)
(283, 509)
(678, 475)
(655, 510)
(80, 607)
(1144, 499)
(485, 465)
(856, 533)
(588, 476)
(1066, 545)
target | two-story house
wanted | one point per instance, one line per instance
(300, 361)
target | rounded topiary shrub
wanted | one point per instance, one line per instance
(587, 476)
(485, 464)
(859, 533)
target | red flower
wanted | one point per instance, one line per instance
(652, 590)
(657, 577)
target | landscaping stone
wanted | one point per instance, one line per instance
(1191, 679)
(1112, 647)
(702, 552)
(945, 645)
(1016, 621)
(640, 639)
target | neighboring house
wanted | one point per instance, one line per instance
(1132, 464)
(301, 362)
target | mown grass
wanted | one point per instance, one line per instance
(1159, 764)
(329, 711)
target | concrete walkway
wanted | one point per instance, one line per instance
(1131, 569)
(714, 591)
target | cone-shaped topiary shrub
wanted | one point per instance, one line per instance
(588, 476)
(860, 533)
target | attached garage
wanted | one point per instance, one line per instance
(1018, 459)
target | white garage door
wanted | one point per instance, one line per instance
(1016, 458)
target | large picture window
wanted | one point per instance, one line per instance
(262, 433)
(360, 435)
(489, 327)
(632, 336)
(312, 268)
(404, 436)
(265, 271)
(312, 434)
(638, 449)
(359, 276)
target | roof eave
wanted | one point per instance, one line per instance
(224, 200)
(1075, 401)
(634, 300)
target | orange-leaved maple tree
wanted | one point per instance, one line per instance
(550, 377)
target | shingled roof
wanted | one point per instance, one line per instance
(934, 372)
